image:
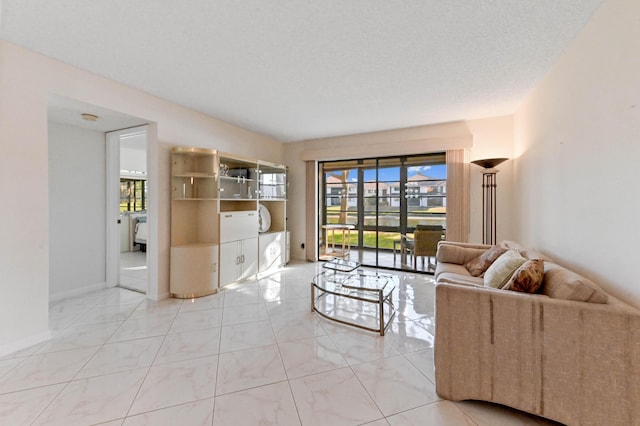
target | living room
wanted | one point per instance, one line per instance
(571, 143)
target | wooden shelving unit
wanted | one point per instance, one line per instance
(215, 238)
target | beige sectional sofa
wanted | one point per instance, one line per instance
(576, 362)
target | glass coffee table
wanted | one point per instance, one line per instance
(359, 298)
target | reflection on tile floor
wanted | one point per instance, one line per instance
(251, 354)
(133, 271)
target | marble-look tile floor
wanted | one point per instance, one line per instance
(133, 271)
(251, 354)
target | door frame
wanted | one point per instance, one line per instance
(113, 203)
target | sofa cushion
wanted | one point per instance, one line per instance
(561, 283)
(453, 253)
(527, 278)
(501, 270)
(453, 278)
(450, 268)
(534, 254)
(477, 266)
(507, 244)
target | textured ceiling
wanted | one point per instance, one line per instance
(301, 69)
(69, 111)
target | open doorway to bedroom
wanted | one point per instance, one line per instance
(83, 186)
(132, 220)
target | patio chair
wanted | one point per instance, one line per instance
(425, 243)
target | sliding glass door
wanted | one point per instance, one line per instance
(373, 206)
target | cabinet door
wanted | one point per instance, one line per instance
(230, 266)
(271, 250)
(265, 242)
(286, 244)
(236, 226)
(249, 257)
(194, 270)
(276, 250)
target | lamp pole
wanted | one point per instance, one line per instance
(489, 210)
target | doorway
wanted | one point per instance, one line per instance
(129, 147)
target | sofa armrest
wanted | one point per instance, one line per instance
(458, 253)
(554, 358)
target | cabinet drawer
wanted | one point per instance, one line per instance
(236, 226)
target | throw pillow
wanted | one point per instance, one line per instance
(452, 253)
(501, 270)
(478, 265)
(527, 278)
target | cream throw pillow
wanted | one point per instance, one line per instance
(501, 270)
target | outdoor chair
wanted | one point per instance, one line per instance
(425, 244)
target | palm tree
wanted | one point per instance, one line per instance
(343, 176)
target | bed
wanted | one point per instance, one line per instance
(139, 231)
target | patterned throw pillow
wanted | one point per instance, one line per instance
(527, 278)
(501, 270)
(478, 265)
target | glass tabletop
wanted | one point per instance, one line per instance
(337, 264)
(360, 284)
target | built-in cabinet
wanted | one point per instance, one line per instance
(240, 260)
(272, 191)
(228, 220)
(238, 245)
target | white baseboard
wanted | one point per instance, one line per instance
(56, 297)
(18, 345)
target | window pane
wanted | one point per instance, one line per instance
(342, 216)
(385, 239)
(382, 220)
(370, 175)
(389, 174)
(342, 189)
(414, 219)
(398, 193)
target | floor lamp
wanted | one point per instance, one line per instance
(489, 197)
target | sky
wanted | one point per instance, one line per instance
(393, 173)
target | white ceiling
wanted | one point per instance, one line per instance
(69, 111)
(301, 69)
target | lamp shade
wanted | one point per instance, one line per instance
(489, 163)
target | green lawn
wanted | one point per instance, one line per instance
(385, 239)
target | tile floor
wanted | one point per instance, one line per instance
(133, 271)
(385, 259)
(251, 354)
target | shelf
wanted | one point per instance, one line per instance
(237, 179)
(270, 232)
(195, 199)
(198, 175)
(194, 245)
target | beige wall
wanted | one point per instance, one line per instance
(577, 142)
(490, 137)
(77, 210)
(26, 80)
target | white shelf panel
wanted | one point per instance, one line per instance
(197, 175)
